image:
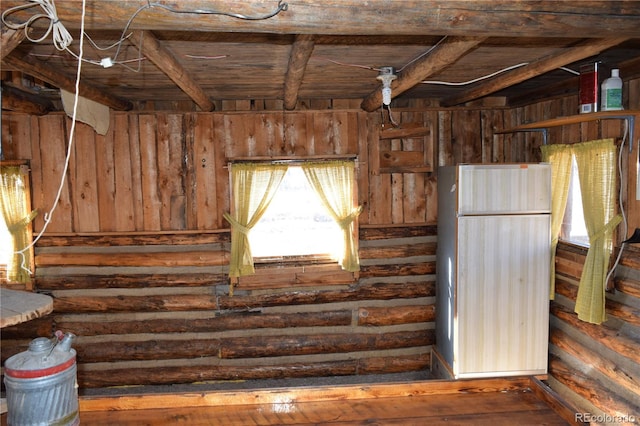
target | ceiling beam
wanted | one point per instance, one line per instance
(62, 81)
(10, 40)
(166, 62)
(298, 59)
(444, 54)
(14, 99)
(579, 51)
(545, 18)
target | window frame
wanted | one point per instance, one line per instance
(297, 270)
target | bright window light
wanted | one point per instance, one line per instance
(295, 223)
(5, 244)
(574, 215)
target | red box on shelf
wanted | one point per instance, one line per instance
(589, 87)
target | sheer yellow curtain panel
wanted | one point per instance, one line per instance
(14, 211)
(253, 187)
(559, 157)
(596, 162)
(334, 182)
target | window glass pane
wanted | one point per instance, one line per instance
(295, 223)
(575, 229)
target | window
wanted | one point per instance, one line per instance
(294, 215)
(295, 224)
(16, 255)
(574, 229)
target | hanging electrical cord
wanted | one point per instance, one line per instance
(61, 37)
(622, 212)
(48, 215)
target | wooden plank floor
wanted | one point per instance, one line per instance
(479, 402)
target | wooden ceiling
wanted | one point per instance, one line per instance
(194, 50)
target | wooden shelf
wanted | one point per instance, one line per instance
(544, 125)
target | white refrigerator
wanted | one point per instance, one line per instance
(493, 266)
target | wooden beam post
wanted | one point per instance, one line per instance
(582, 50)
(14, 99)
(10, 40)
(167, 63)
(57, 79)
(443, 55)
(300, 54)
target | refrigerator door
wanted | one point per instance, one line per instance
(504, 189)
(502, 296)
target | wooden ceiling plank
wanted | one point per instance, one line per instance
(580, 51)
(10, 40)
(153, 50)
(546, 18)
(443, 55)
(300, 53)
(62, 81)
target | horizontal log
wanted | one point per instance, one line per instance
(191, 258)
(273, 276)
(38, 327)
(398, 251)
(590, 389)
(602, 334)
(628, 286)
(157, 349)
(398, 270)
(631, 258)
(150, 303)
(615, 372)
(405, 130)
(270, 346)
(393, 315)
(134, 239)
(81, 282)
(225, 322)
(375, 291)
(115, 376)
(390, 232)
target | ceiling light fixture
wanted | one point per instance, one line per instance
(386, 75)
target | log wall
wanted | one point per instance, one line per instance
(136, 253)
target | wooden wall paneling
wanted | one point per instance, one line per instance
(149, 168)
(326, 134)
(295, 133)
(492, 150)
(106, 179)
(204, 163)
(414, 204)
(380, 201)
(466, 136)
(363, 170)
(18, 134)
(446, 156)
(136, 171)
(84, 181)
(170, 161)
(269, 132)
(125, 213)
(222, 184)
(53, 152)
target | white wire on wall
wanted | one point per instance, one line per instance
(48, 215)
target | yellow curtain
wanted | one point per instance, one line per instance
(253, 188)
(14, 211)
(559, 156)
(596, 162)
(333, 181)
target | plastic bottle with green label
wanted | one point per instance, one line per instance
(611, 93)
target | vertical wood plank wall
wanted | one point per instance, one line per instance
(136, 253)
